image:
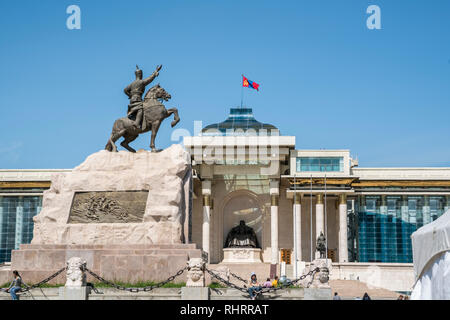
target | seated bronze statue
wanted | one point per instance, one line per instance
(241, 236)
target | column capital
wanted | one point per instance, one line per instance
(274, 199)
(383, 200)
(206, 200)
(319, 198)
(342, 198)
(297, 199)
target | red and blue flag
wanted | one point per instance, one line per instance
(249, 84)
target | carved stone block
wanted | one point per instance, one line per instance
(322, 277)
(108, 207)
(196, 273)
(242, 255)
(76, 276)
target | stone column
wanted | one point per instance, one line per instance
(319, 219)
(274, 198)
(343, 245)
(297, 214)
(206, 192)
(274, 227)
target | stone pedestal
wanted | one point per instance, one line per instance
(126, 214)
(73, 293)
(118, 198)
(194, 293)
(242, 255)
(126, 263)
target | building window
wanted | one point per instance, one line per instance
(320, 164)
(384, 225)
(16, 222)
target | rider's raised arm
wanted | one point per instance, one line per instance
(127, 91)
(151, 78)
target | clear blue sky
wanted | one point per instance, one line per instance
(324, 77)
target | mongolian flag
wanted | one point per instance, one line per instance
(249, 84)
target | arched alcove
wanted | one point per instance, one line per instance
(242, 205)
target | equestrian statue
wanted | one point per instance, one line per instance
(143, 115)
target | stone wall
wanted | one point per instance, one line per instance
(391, 276)
(125, 263)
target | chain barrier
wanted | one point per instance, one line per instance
(293, 282)
(265, 290)
(37, 285)
(146, 289)
(226, 282)
(171, 278)
(93, 288)
(237, 277)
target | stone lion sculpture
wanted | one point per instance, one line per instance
(196, 273)
(321, 278)
(76, 276)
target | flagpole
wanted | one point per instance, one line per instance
(311, 222)
(326, 221)
(295, 229)
(242, 91)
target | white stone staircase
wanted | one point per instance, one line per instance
(351, 289)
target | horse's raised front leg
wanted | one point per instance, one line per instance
(127, 140)
(176, 118)
(155, 128)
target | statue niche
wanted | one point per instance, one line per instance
(241, 236)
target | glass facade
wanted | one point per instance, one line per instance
(318, 164)
(381, 228)
(16, 222)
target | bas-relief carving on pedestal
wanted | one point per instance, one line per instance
(108, 207)
(242, 255)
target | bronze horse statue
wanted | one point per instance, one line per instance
(154, 113)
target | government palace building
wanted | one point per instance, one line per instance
(245, 170)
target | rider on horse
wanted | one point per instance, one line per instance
(135, 90)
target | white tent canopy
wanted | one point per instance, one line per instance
(431, 255)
